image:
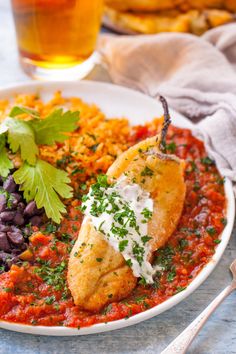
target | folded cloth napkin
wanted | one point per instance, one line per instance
(197, 75)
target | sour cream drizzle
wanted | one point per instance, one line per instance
(121, 212)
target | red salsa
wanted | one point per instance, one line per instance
(36, 292)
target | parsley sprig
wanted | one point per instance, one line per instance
(39, 180)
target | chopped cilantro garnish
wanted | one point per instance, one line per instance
(223, 221)
(179, 289)
(140, 299)
(147, 213)
(50, 299)
(146, 238)
(99, 259)
(7, 290)
(220, 181)
(65, 237)
(50, 228)
(164, 257)
(122, 245)
(129, 262)
(171, 147)
(193, 166)
(107, 309)
(77, 170)
(142, 281)
(83, 186)
(54, 276)
(147, 171)
(183, 243)
(196, 186)
(94, 147)
(171, 275)
(207, 161)
(217, 241)
(211, 230)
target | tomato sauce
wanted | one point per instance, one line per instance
(36, 292)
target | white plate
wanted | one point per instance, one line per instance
(117, 101)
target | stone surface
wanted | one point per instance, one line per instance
(219, 334)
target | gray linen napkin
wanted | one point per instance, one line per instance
(196, 75)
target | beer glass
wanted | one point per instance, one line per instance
(56, 38)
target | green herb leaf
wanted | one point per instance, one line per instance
(217, 241)
(5, 163)
(17, 110)
(94, 147)
(146, 238)
(207, 161)
(122, 245)
(50, 299)
(55, 277)
(211, 230)
(140, 299)
(147, 171)
(180, 288)
(7, 290)
(44, 184)
(223, 221)
(107, 309)
(171, 276)
(52, 128)
(21, 137)
(171, 147)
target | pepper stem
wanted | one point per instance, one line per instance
(166, 123)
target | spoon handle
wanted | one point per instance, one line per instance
(182, 342)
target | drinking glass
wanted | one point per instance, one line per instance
(56, 38)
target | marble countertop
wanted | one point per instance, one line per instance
(152, 336)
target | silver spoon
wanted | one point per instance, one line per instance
(183, 341)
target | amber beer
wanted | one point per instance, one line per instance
(56, 34)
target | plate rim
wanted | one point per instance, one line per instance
(158, 309)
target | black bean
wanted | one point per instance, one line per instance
(15, 237)
(15, 199)
(4, 228)
(31, 209)
(7, 215)
(4, 244)
(18, 219)
(14, 228)
(3, 202)
(9, 185)
(21, 206)
(35, 220)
